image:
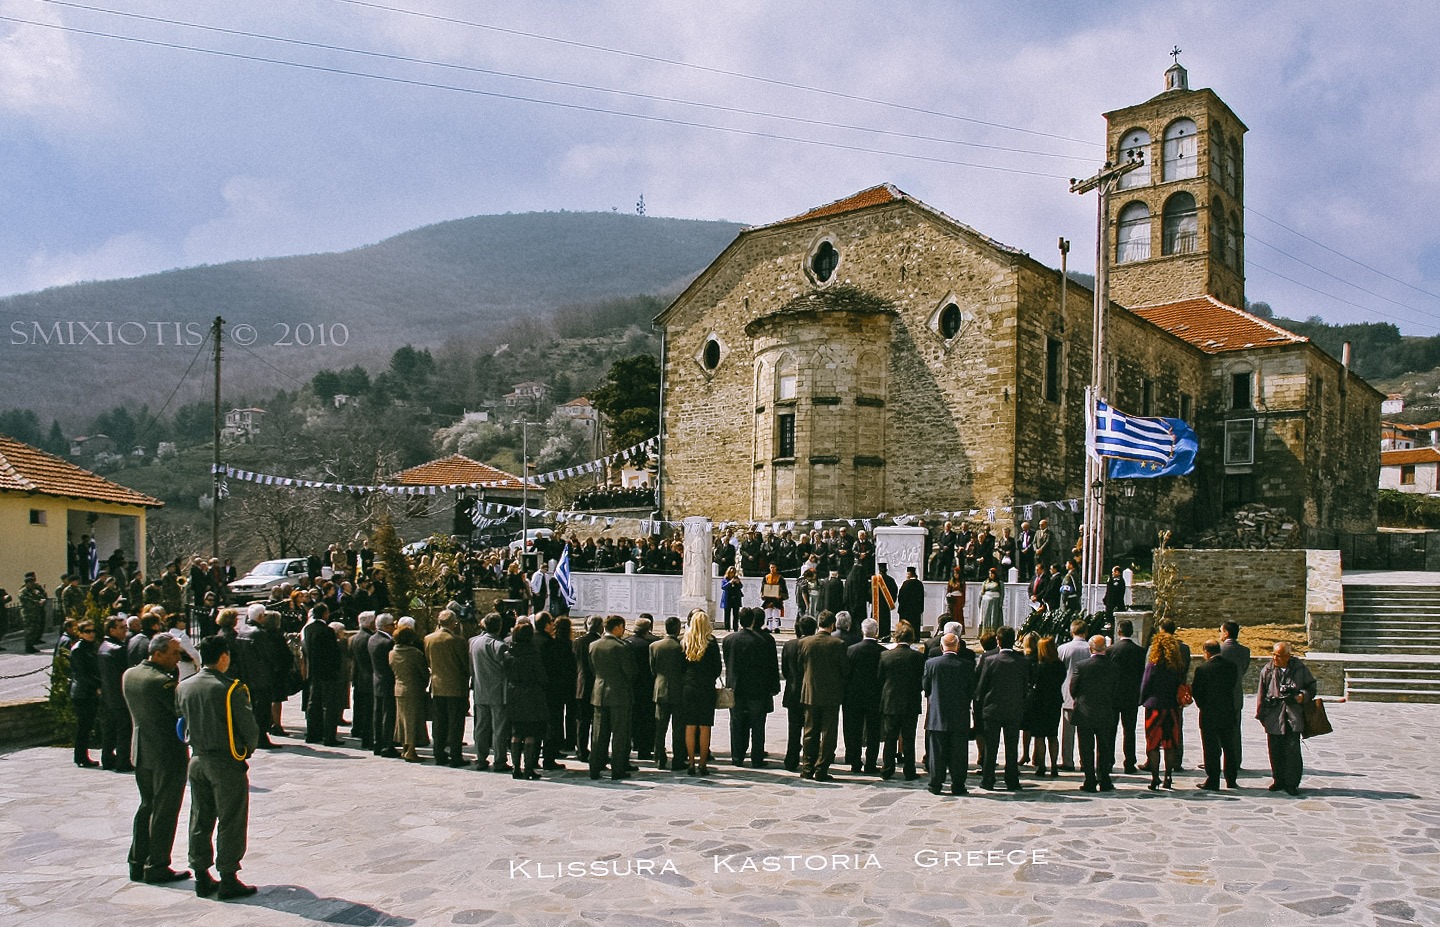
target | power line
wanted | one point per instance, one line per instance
(792, 85)
(1356, 261)
(412, 82)
(1276, 273)
(574, 85)
(284, 373)
(139, 441)
(1432, 317)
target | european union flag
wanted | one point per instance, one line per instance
(1181, 462)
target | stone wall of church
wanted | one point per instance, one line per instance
(1050, 429)
(1172, 370)
(935, 432)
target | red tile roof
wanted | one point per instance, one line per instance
(30, 470)
(1214, 327)
(1415, 455)
(457, 469)
(874, 196)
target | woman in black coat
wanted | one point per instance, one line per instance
(565, 666)
(697, 689)
(1042, 709)
(525, 697)
(85, 691)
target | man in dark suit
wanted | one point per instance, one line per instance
(1000, 698)
(949, 681)
(362, 682)
(382, 685)
(555, 659)
(1239, 656)
(832, 593)
(642, 707)
(902, 670)
(1129, 660)
(611, 693)
(161, 761)
(1214, 691)
(1025, 551)
(862, 700)
(752, 671)
(823, 666)
(114, 716)
(794, 678)
(584, 686)
(667, 666)
(323, 662)
(910, 600)
(1039, 587)
(1053, 582)
(1093, 688)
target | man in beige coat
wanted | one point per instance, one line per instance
(449, 659)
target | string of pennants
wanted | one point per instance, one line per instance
(566, 473)
(270, 479)
(653, 526)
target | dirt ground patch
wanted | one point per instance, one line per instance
(1260, 638)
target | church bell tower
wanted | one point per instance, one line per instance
(1177, 224)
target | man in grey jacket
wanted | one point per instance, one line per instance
(1286, 684)
(487, 674)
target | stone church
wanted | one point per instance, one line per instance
(875, 355)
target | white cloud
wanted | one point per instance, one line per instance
(260, 219)
(43, 75)
(124, 255)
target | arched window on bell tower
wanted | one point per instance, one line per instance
(1137, 143)
(1179, 151)
(1132, 233)
(1181, 228)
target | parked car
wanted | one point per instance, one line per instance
(265, 576)
(531, 536)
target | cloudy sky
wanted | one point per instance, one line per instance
(126, 156)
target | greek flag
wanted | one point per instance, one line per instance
(562, 576)
(1140, 447)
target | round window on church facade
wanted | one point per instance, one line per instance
(711, 355)
(825, 261)
(949, 321)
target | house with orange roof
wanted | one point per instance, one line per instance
(47, 503)
(875, 355)
(1412, 470)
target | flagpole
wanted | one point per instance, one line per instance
(1093, 540)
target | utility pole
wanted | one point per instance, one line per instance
(525, 484)
(1093, 566)
(215, 334)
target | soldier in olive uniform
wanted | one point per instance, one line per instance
(72, 598)
(32, 612)
(223, 735)
(160, 761)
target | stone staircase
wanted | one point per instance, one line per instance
(1391, 619)
(1392, 636)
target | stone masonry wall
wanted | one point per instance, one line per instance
(1202, 588)
(943, 438)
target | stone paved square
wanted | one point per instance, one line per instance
(340, 837)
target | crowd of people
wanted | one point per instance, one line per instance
(614, 497)
(541, 689)
(614, 694)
